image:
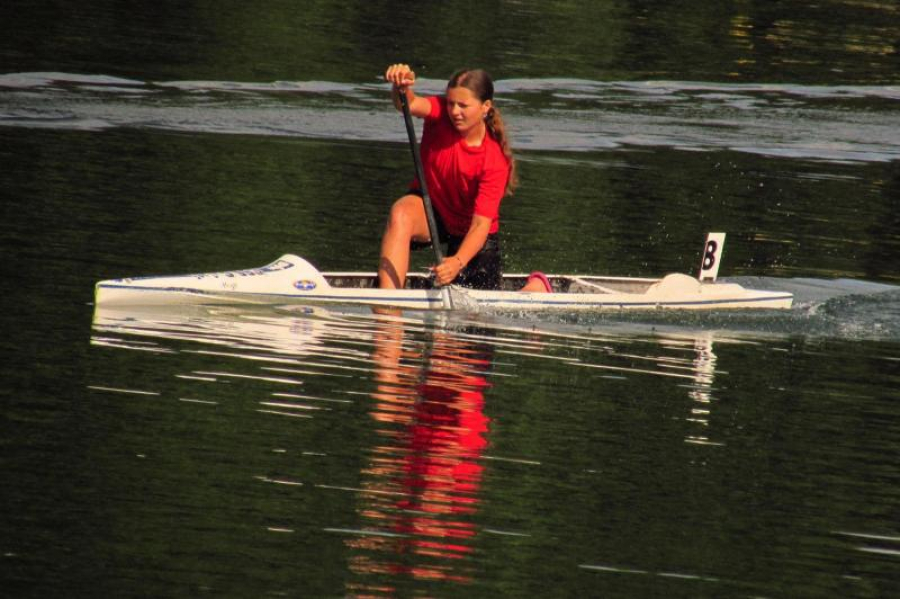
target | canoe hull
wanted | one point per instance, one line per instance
(292, 279)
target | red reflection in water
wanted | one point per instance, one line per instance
(421, 485)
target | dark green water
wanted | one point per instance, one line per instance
(295, 452)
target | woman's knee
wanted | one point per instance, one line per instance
(407, 216)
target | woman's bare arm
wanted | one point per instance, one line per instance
(403, 78)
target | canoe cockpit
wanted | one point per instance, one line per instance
(511, 282)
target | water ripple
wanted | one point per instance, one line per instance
(826, 123)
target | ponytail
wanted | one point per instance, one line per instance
(495, 125)
(482, 86)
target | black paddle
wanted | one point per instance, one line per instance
(423, 186)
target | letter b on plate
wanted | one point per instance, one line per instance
(712, 255)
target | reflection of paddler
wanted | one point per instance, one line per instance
(422, 484)
(448, 432)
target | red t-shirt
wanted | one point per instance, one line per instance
(462, 180)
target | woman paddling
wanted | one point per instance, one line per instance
(469, 168)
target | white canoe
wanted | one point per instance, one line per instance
(293, 279)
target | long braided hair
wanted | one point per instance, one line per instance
(481, 85)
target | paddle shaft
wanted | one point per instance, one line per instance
(420, 175)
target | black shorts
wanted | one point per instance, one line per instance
(484, 270)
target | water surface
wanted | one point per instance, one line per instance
(297, 451)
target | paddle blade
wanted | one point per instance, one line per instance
(461, 299)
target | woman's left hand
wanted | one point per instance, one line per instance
(447, 271)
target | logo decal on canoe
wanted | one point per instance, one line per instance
(305, 285)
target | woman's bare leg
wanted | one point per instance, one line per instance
(537, 283)
(406, 223)
(534, 286)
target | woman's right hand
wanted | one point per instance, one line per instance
(400, 75)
